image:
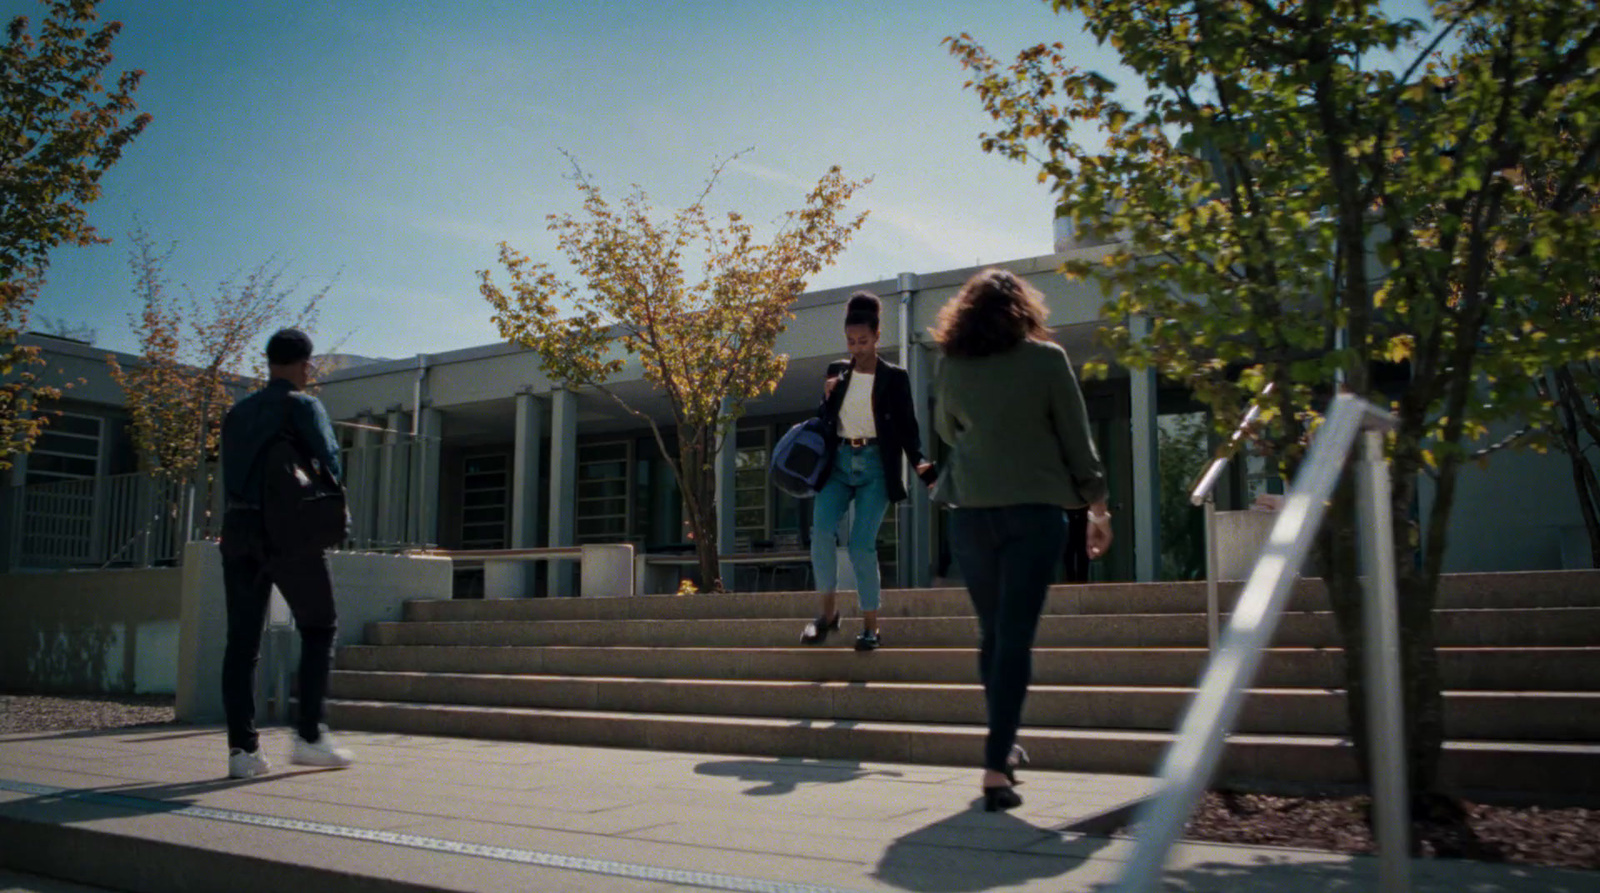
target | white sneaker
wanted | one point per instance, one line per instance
(247, 764)
(325, 751)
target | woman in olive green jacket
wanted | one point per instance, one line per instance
(1020, 455)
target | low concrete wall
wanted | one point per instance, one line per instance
(90, 632)
(366, 588)
(1240, 537)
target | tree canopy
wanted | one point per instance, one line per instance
(698, 302)
(1283, 209)
(61, 129)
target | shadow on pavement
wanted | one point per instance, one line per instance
(974, 850)
(784, 775)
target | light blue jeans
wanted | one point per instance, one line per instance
(857, 476)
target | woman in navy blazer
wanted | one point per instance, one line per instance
(873, 423)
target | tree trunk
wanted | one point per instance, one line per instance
(1341, 575)
(1570, 404)
(697, 478)
(1421, 689)
(707, 548)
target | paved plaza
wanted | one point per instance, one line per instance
(150, 809)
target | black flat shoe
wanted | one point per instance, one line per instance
(1000, 799)
(868, 641)
(817, 630)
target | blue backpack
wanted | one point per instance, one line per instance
(801, 460)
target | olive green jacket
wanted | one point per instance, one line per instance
(1018, 431)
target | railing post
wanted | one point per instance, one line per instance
(1381, 625)
(1194, 754)
(1212, 609)
(145, 500)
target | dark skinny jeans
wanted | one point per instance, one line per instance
(1008, 556)
(248, 574)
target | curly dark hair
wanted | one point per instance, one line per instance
(863, 309)
(992, 313)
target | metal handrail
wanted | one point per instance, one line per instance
(1194, 754)
(1200, 488)
(1200, 493)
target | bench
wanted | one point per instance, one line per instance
(650, 581)
(603, 568)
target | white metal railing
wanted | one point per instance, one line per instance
(1193, 756)
(385, 489)
(141, 519)
(125, 518)
(1201, 492)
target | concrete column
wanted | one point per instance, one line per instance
(12, 513)
(525, 459)
(361, 481)
(911, 568)
(727, 465)
(392, 480)
(429, 462)
(1145, 473)
(563, 486)
(918, 536)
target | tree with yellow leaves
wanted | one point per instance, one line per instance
(61, 129)
(196, 357)
(706, 345)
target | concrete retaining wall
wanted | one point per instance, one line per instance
(90, 632)
(366, 587)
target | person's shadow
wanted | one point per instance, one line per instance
(974, 850)
(785, 775)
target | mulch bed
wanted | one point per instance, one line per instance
(1564, 837)
(46, 713)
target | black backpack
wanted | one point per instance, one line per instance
(303, 507)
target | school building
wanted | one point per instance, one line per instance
(479, 449)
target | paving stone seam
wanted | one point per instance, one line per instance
(606, 867)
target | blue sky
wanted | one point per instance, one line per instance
(389, 146)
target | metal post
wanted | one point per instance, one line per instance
(1212, 610)
(1194, 754)
(1384, 683)
(724, 486)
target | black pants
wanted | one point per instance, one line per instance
(249, 571)
(1008, 556)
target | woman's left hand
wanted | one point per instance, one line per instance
(1099, 536)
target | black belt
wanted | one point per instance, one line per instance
(860, 441)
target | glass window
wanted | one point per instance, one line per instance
(751, 489)
(486, 502)
(1182, 451)
(657, 500)
(68, 448)
(603, 512)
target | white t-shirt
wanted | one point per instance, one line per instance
(855, 414)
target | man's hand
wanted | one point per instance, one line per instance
(827, 386)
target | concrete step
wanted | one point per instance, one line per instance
(1542, 589)
(1489, 669)
(1454, 627)
(1466, 765)
(1530, 716)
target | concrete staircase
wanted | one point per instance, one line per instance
(1114, 668)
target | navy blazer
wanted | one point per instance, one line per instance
(893, 414)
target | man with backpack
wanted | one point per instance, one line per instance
(277, 440)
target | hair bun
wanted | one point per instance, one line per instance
(863, 305)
